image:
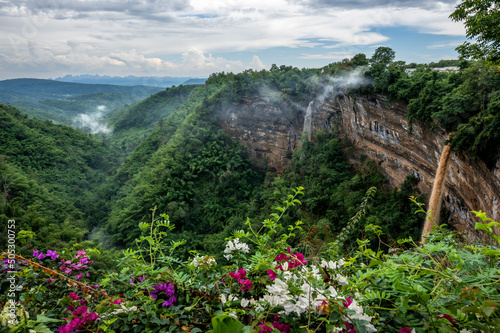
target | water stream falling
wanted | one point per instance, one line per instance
(307, 121)
(437, 193)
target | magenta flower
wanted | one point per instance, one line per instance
(36, 253)
(241, 274)
(92, 316)
(281, 257)
(349, 328)
(348, 302)
(404, 330)
(282, 327)
(81, 311)
(246, 285)
(272, 274)
(74, 296)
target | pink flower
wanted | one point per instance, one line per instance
(92, 316)
(272, 274)
(281, 257)
(74, 296)
(264, 328)
(349, 328)
(348, 302)
(246, 285)
(81, 311)
(241, 274)
(118, 301)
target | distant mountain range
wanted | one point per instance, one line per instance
(154, 81)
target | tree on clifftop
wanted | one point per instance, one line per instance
(482, 23)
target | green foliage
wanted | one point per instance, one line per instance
(464, 102)
(49, 175)
(442, 286)
(383, 55)
(480, 18)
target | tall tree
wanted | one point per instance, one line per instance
(482, 24)
(383, 55)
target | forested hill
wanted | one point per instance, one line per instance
(184, 165)
(49, 177)
(74, 104)
(39, 89)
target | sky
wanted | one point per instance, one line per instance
(53, 38)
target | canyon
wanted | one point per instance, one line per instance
(377, 128)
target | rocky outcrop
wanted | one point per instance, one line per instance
(379, 129)
(271, 133)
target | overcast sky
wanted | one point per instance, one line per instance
(51, 38)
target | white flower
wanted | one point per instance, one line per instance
(342, 280)
(279, 288)
(223, 299)
(371, 328)
(333, 292)
(273, 300)
(205, 262)
(244, 302)
(235, 245)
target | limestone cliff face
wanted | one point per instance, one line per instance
(379, 129)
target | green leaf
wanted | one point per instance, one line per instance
(41, 328)
(226, 324)
(43, 319)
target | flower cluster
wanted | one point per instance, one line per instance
(164, 291)
(241, 277)
(235, 245)
(290, 260)
(75, 268)
(82, 320)
(282, 327)
(205, 262)
(50, 254)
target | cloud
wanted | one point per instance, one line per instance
(167, 37)
(257, 64)
(94, 123)
(329, 55)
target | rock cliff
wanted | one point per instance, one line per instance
(379, 129)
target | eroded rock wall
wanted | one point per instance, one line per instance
(379, 129)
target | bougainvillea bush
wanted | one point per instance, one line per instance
(264, 284)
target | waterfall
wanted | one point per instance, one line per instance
(307, 121)
(437, 192)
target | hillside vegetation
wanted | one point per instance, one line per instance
(216, 241)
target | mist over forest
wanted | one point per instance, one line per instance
(360, 196)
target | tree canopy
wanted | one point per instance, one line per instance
(482, 23)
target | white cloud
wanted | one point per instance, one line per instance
(182, 37)
(257, 64)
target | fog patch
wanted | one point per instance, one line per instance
(94, 122)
